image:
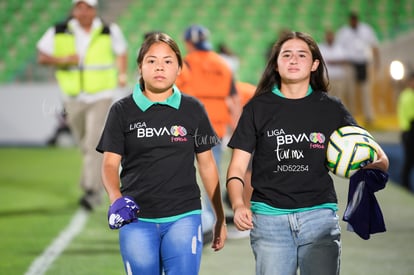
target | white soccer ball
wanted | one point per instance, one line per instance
(349, 149)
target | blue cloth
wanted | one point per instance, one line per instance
(124, 210)
(363, 213)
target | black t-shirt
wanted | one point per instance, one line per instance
(158, 148)
(289, 139)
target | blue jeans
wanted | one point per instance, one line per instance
(152, 248)
(308, 241)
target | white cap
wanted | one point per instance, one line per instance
(92, 3)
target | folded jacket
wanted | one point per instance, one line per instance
(363, 213)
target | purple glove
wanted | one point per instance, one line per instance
(123, 211)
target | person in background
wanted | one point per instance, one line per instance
(90, 58)
(292, 218)
(405, 110)
(206, 76)
(338, 69)
(232, 60)
(360, 43)
(155, 135)
(229, 56)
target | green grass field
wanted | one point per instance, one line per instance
(39, 192)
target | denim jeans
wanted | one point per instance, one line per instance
(152, 248)
(308, 241)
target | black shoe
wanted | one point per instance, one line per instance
(85, 204)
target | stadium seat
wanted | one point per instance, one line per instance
(247, 26)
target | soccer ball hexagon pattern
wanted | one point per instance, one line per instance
(349, 149)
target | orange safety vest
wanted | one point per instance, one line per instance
(207, 77)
